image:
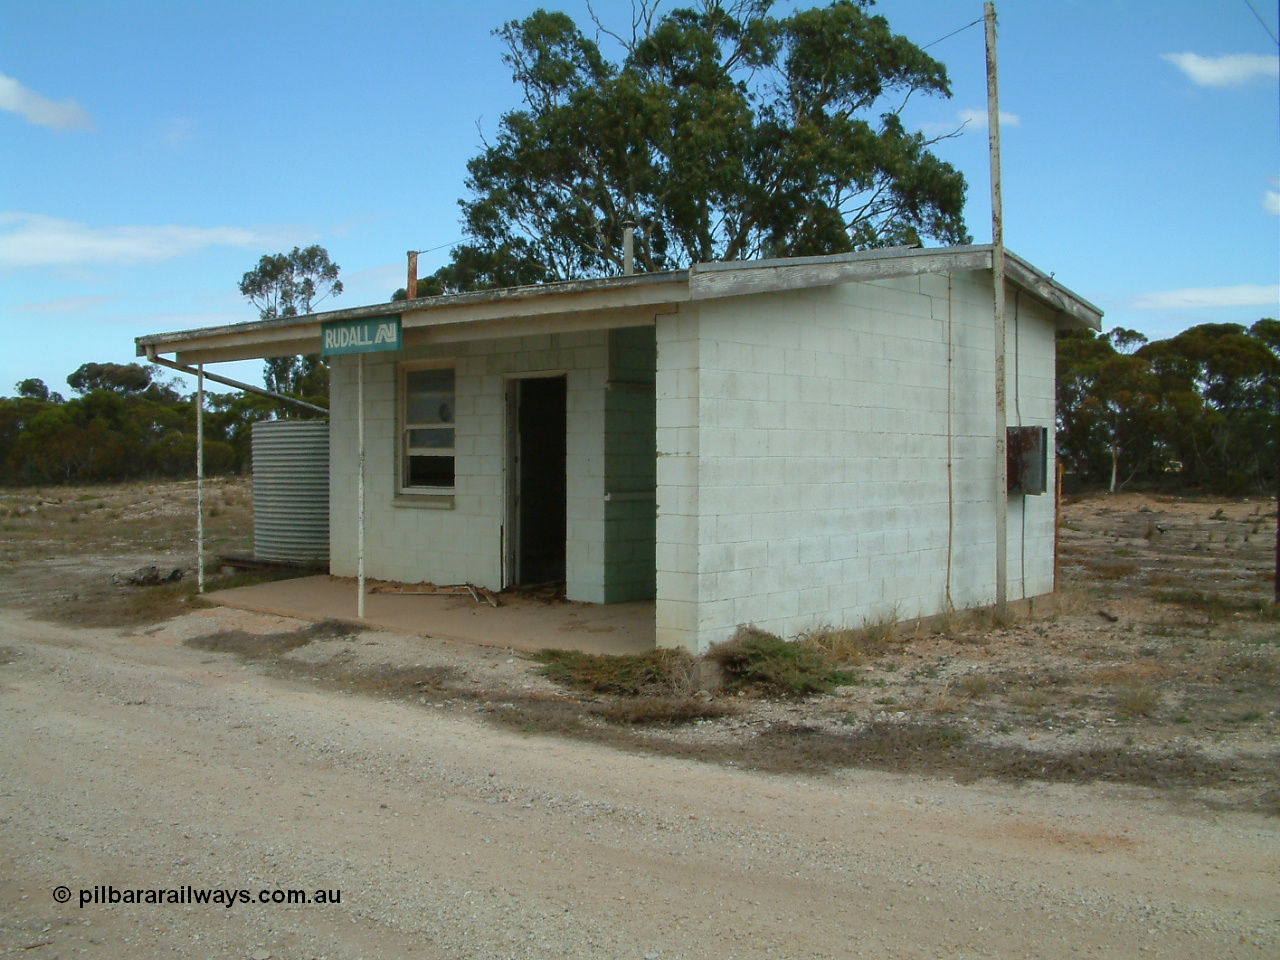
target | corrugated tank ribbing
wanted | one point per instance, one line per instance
(291, 490)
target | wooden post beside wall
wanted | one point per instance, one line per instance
(997, 279)
(1057, 523)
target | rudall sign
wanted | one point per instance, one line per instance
(371, 335)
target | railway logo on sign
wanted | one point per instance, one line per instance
(370, 335)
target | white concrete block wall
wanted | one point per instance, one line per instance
(802, 469)
(1032, 386)
(417, 539)
(678, 432)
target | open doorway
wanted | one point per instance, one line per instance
(536, 472)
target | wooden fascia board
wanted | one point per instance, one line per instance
(524, 326)
(218, 349)
(732, 280)
(593, 302)
(243, 345)
(191, 353)
(600, 301)
(822, 272)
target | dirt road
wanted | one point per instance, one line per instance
(136, 762)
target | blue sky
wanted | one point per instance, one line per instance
(151, 152)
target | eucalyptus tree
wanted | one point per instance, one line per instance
(722, 132)
(289, 285)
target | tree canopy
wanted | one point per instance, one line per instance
(125, 424)
(289, 285)
(116, 377)
(1203, 406)
(722, 133)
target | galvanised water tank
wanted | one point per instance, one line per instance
(291, 490)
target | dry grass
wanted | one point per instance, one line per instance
(1107, 570)
(1030, 701)
(1260, 666)
(1215, 605)
(973, 686)
(843, 646)
(661, 673)
(1129, 673)
(944, 701)
(663, 710)
(129, 606)
(1070, 600)
(1137, 700)
(882, 630)
(104, 519)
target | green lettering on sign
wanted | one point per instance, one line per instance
(371, 335)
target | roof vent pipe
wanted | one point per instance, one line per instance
(628, 248)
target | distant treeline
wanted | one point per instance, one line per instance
(1200, 410)
(124, 424)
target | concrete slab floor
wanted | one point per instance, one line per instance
(521, 623)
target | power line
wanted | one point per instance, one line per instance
(954, 32)
(442, 246)
(1265, 25)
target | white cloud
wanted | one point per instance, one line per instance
(32, 107)
(66, 304)
(34, 240)
(968, 119)
(1228, 70)
(1271, 198)
(1246, 295)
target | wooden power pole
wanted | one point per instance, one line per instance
(997, 275)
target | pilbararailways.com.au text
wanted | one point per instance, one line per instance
(107, 895)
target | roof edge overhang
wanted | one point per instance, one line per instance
(508, 311)
(709, 280)
(610, 302)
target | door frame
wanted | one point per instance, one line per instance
(510, 538)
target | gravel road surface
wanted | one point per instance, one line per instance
(135, 762)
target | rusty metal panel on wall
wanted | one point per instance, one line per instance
(1027, 456)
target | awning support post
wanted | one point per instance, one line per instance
(200, 478)
(360, 487)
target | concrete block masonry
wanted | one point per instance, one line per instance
(823, 498)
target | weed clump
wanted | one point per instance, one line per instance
(646, 711)
(659, 673)
(974, 686)
(652, 688)
(765, 663)
(1137, 700)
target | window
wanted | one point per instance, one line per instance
(428, 407)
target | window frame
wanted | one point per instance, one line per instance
(403, 429)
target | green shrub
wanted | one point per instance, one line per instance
(767, 663)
